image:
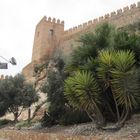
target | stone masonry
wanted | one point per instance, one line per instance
(50, 33)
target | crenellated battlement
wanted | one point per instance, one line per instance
(52, 20)
(107, 17)
(3, 77)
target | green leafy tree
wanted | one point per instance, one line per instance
(54, 89)
(59, 111)
(15, 95)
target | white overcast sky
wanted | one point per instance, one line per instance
(18, 19)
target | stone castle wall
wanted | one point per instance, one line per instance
(120, 18)
(50, 33)
(28, 72)
(3, 77)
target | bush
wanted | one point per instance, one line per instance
(4, 122)
(37, 126)
(22, 124)
(47, 120)
(74, 117)
(70, 117)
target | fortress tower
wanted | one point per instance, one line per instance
(50, 34)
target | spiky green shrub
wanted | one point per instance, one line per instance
(83, 92)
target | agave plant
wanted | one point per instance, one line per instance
(82, 91)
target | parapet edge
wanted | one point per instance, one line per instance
(106, 17)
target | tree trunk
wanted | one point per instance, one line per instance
(16, 117)
(123, 118)
(90, 116)
(29, 115)
(37, 108)
(116, 106)
(98, 114)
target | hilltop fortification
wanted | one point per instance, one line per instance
(50, 33)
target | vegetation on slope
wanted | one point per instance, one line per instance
(105, 65)
(100, 83)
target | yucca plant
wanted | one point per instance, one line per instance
(117, 72)
(82, 91)
(125, 83)
(109, 55)
(105, 60)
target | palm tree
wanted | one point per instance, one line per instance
(125, 41)
(90, 44)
